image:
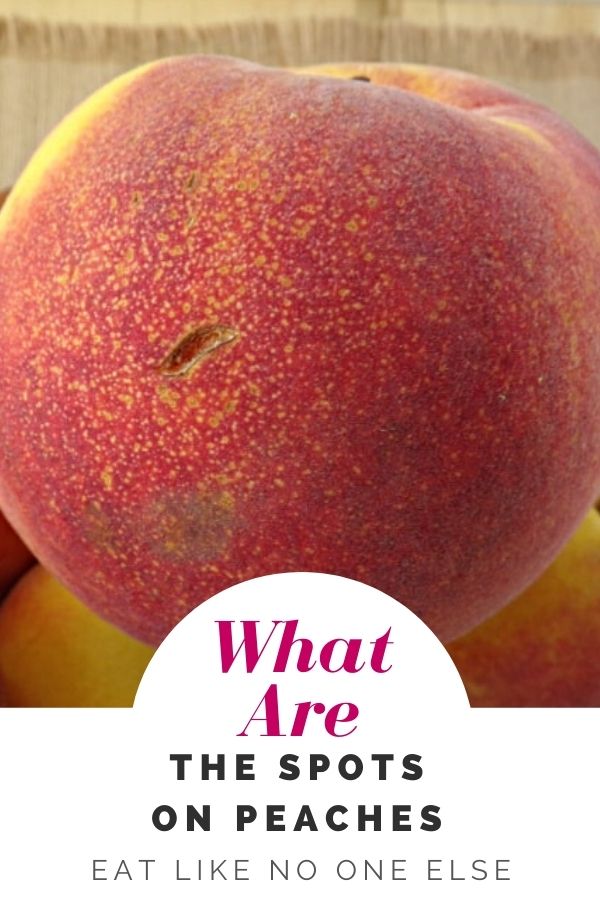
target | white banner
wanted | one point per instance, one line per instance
(295, 735)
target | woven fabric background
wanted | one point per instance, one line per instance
(48, 67)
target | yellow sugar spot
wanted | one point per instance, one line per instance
(226, 500)
(352, 225)
(107, 479)
(372, 202)
(260, 260)
(302, 229)
(127, 399)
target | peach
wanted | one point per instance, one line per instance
(254, 320)
(54, 651)
(15, 558)
(543, 649)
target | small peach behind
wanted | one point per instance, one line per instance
(543, 649)
(55, 652)
(15, 558)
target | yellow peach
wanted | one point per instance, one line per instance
(55, 652)
(543, 649)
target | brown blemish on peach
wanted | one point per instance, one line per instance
(181, 526)
(360, 78)
(195, 347)
(190, 528)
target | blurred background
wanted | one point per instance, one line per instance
(55, 52)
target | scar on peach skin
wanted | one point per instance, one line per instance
(194, 347)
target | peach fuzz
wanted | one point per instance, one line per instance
(254, 320)
(543, 649)
(55, 652)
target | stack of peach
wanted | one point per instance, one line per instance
(342, 320)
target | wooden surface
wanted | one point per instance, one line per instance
(180, 12)
(551, 17)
